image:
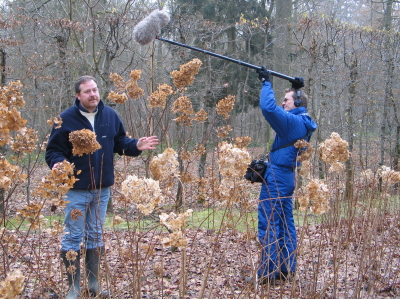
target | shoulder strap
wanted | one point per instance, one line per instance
(292, 143)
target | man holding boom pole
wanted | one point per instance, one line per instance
(276, 227)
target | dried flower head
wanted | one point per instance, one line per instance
(57, 183)
(186, 177)
(56, 122)
(118, 81)
(33, 214)
(11, 95)
(117, 97)
(315, 195)
(83, 142)
(337, 167)
(201, 116)
(8, 173)
(306, 150)
(306, 168)
(144, 193)
(176, 224)
(183, 108)
(368, 179)
(225, 106)
(75, 214)
(71, 269)
(232, 161)
(25, 141)
(242, 142)
(222, 132)
(132, 87)
(71, 255)
(12, 285)
(10, 120)
(199, 150)
(334, 149)
(389, 176)
(165, 165)
(186, 73)
(231, 189)
(159, 97)
(118, 220)
(185, 155)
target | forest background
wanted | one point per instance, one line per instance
(346, 51)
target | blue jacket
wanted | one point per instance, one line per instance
(110, 134)
(288, 126)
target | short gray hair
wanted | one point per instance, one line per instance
(82, 80)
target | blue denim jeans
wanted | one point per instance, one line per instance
(84, 218)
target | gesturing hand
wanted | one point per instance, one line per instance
(146, 143)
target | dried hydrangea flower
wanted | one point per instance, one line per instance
(144, 193)
(25, 141)
(232, 161)
(176, 224)
(132, 87)
(83, 142)
(159, 97)
(165, 165)
(306, 150)
(12, 285)
(185, 155)
(55, 121)
(117, 98)
(222, 132)
(57, 183)
(184, 109)
(11, 95)
(75, 214)
(201, 116)
(8, 173)
(118, 81)
(10, 120)
(199, 150)
(389, 176)
(334, 149)
(242, 142)
(315, 195)
(225, 106)
(230, 190)
(337, 167)
(186, 73)
(71, 255)
(117, 220)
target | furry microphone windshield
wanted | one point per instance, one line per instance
(150, 27)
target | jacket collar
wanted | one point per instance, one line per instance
(299, 110)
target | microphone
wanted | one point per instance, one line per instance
(150, 27)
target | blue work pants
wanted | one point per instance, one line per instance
(84, 218)
(276, 228)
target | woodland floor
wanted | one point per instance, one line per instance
(339, 260)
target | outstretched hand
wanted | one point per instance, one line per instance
(146, 143)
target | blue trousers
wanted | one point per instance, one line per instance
(84, 218)
(276, 228)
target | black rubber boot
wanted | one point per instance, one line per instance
(74, 277)
(92, 261)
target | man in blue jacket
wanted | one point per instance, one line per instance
(276, 228)
(85, 213)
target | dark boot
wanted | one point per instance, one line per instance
(92, 260)
(74, 277)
